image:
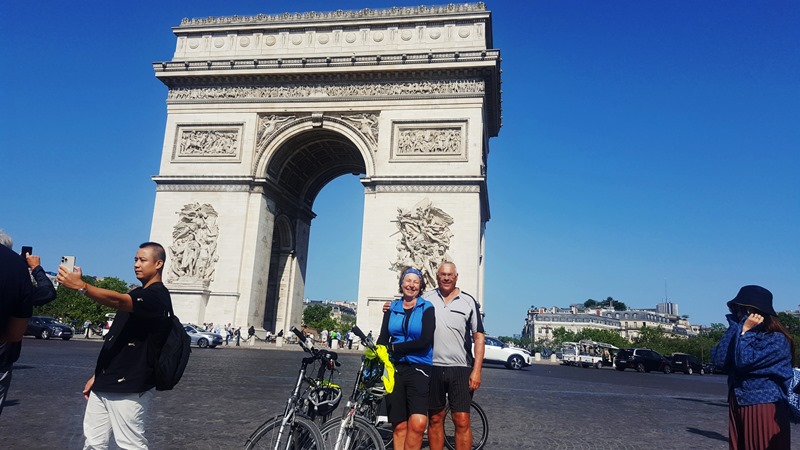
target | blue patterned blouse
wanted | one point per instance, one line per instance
(758, 363)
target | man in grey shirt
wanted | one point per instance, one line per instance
(456, 374)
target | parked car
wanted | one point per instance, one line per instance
(498, 352)
(202, 338)
(109, 321)
(712, 369)
(641, 359)
(44, 327)
(686, 363)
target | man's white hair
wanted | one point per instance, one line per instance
(5, 239)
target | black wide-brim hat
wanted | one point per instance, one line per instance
(755, 297)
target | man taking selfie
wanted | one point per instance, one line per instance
(120, 392)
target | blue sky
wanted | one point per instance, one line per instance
(644, 145)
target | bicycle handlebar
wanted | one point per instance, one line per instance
(330, 358)
(367, 342)
(299, 334)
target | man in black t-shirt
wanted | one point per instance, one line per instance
(120, 392)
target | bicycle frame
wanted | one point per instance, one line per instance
(293, 404)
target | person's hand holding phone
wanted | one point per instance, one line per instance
(33, 261)
(70, 279)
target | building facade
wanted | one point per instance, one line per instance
(541, 322)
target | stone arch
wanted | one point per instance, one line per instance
(256, 131)
(272, 158)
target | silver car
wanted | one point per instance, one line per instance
(202, 338)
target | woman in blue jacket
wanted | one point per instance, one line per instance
(407, 331)
(756, 352)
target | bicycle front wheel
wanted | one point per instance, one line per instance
(298, 434)
(478, 423)
(360, 435)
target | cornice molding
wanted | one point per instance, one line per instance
(315, 16)
(491, 56)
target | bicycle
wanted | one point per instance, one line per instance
(477, 421)
(356, 429)
(295, 429)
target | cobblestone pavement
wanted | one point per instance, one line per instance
(227, 392)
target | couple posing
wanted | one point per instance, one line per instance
(430, 336)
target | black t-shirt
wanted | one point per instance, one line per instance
(15, 287)
(126, 361)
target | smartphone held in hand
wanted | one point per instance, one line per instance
(68, 262)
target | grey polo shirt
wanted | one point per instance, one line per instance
(455, 323)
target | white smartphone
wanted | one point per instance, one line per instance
(68, 262)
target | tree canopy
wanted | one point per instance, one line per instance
(75, 309)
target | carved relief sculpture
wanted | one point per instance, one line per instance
(194, 244)
(424, 239)
(429, 140)
(208, 143)
(367, 124)
(355, 89)
(268, 125)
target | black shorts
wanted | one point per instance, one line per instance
(451, 384)
(411, 391)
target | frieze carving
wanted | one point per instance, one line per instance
(208, 143)
(424, 239)
(205, 188)
(412, 141)
(339, 14)
(402, 88)
(194, 244)
(424, 188)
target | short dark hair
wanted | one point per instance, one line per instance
(157, 249)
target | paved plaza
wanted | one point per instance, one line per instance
(227, 392)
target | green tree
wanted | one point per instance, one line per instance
(75, 308)
(606, 336)
(319, 317)
(561, 335)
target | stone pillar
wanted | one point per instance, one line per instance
(255, 259)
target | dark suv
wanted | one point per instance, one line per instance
(641, 359)
(688, 364)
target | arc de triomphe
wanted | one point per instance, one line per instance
(264, 111)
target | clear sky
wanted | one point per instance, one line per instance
(648, 149)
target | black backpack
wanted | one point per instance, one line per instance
(173, 356)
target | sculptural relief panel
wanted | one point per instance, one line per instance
(427, 141)
(208, 143)
(424, 239)
(353, 89)
(193, 253)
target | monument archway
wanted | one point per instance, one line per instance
(264, 111)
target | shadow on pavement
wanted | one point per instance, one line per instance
(705, 402)
(708, 434)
